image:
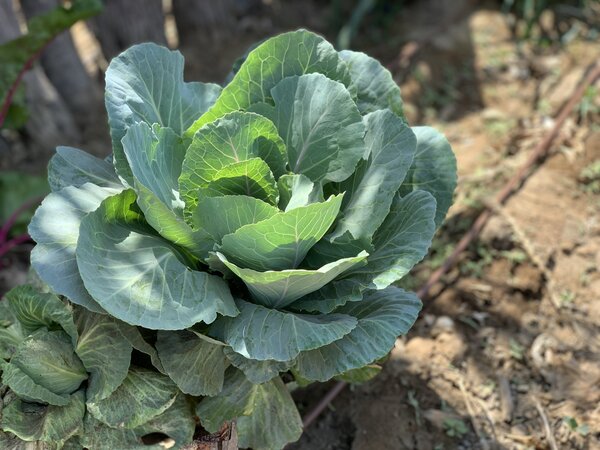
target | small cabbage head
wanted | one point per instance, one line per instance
(68, 382)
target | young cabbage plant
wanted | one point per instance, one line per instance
(257, 228)
(68, 381)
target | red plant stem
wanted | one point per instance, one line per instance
(509, 188)
(14, 216)
(15, 85)
(7, 246)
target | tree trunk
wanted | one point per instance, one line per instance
(65, 70)
(203, 16)
(222, 30)
(214, 19)
(123, 23)
(9, 27)
(49, 121)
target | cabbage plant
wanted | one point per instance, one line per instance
(67, 378)
(242, 233)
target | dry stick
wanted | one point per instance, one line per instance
(547, 429)
(515, 182)
(473, 415)
(315, 412)
(489, 418)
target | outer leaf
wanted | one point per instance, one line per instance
(375, 87)
(360, 375)
(390, 149)
(267, 406)
(72, 444)
(34, 280)
(224, 215)
(134, 337)
(257, 372)
(105, 353)
(35, 310)
(55, 228)
(234, 138)
(200, 332)
(267, 334)
(282, 241)
(401, 242)
(278, 289)
(98, 436)
(297, 190)
(196, 366)
(47, 357)
(155, 156)
(274, 410)
(177, 422)
(235, 400)
(330, 296)
(382, 316)
(288, 54)
(51, 424)
(145, 84)
(7, 316)
(143, 395)
(73, 167)
(433, 170)
(251, 177)
(149, 286)
(320, 124)
(9, 441)
(21, 384)
(10, 338)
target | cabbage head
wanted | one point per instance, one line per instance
(250, 230)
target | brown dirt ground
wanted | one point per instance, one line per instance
(509, 346)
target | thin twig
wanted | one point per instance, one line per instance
(472, 415)
(325, 401)
(489, 418)
(507, 404)
(517, 180)
(547, 429)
